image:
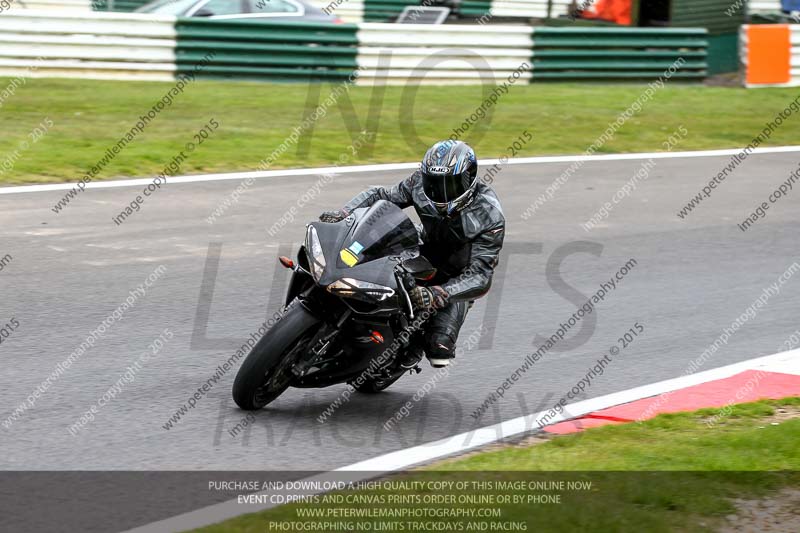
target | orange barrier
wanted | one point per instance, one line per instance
(618, 11)
(769, 54)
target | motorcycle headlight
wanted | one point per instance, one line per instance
(316, 258)
(352, 287)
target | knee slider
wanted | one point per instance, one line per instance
(441, 344)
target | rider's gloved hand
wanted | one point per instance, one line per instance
(333, 216)
(428, 297)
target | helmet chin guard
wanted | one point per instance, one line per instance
(457, 204)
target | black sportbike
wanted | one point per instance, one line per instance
(348, 315)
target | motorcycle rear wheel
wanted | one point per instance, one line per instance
(266, 371)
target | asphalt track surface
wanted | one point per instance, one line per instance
(69, 271)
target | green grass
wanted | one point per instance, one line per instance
(89, 116)
(672, 473)
(678, 441)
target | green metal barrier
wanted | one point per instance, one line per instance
(723, 53)
(618, 53)
(386, 10)
(259, 50)
(475, 8)
(125, 6)
(722, 19)
(710, 14)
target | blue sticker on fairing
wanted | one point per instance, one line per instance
(356, 247)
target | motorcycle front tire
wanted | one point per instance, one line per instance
(255, 384)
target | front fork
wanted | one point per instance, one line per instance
(319, 347)
(406, 282)
(301, 286)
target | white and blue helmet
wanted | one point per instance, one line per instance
(449, 175)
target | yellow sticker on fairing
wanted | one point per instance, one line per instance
(349, 258)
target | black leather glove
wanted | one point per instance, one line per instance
(333, 216)
(428, 297)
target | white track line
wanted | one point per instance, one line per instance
(386, 167)
(409, 457)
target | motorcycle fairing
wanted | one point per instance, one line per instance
(376, 238)
(379, 231)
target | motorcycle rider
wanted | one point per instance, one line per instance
(462, 233)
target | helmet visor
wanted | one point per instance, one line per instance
(443, 189)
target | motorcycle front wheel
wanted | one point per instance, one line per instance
(267, 371)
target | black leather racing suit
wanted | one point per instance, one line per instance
(464, 247)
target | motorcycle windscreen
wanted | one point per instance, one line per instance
(384, 230)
